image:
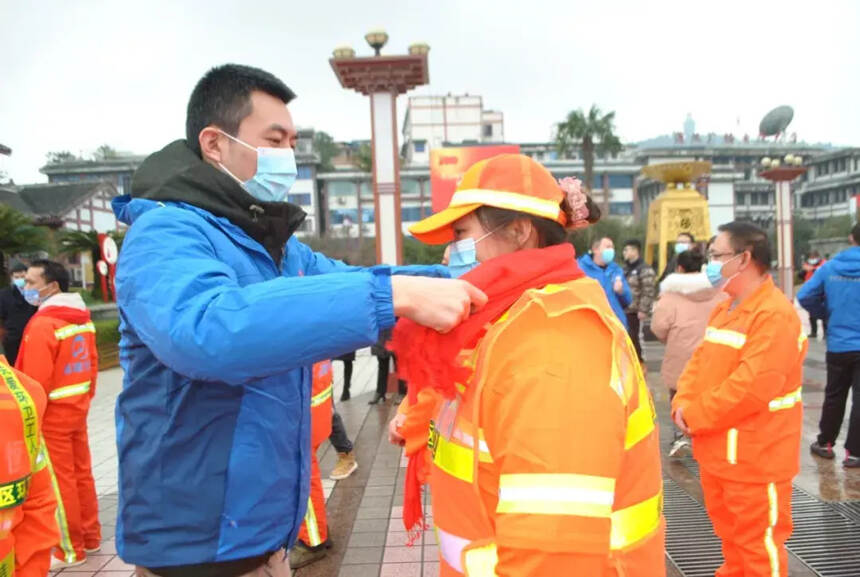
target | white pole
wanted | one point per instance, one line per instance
(785, 243)
(386, 186)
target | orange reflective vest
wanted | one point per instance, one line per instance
(547, 462)
(321, 402)
(28, 528)
(58, 350)
(741, 390)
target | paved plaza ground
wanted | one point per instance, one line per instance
(364, 510)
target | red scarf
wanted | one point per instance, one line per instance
(427, 358)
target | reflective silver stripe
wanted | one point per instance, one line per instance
(451, 548)
(732, 446)
(72, 330)
(725, 337)
(69, 391)
(786, 402)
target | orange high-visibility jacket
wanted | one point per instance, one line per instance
(58, 350)
(547, 462)
(28, 528)
(741, 390)
(321, 402)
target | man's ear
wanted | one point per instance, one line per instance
(522, 229)
(212, 144)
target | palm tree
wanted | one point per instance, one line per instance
(18, 234)
(73, 242)
(591, 133)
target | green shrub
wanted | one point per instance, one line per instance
(107, 332)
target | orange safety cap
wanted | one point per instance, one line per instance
(509, 181)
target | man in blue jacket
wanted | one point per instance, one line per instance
(833, 293)
(600, 265)
(222, 314)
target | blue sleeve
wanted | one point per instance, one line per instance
(811, 295)
(300, 259)
(189, 308)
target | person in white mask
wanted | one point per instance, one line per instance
(223, 313)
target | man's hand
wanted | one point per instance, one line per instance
(438, 303)
(618, 287)
(678, 417)
(394, 436)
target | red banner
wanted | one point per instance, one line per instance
(447, 166)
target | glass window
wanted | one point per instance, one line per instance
(368, 214)
(366, 188)
(409, 187)
(303, 199)
(740, 198)
(343, 216)
(340, 188)
(305, 172)
(620, 181)
(410, 213)
(621, 208)
(598, 182)
(420, 146)
(488, 130)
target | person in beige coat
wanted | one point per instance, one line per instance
(680, 318)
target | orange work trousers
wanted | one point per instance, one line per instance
(77, 504)
(753, 520)
(314, 530)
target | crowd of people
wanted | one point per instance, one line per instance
(523, 362)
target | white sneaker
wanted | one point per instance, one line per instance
(93, 550)
(678, 446)
(57, 564)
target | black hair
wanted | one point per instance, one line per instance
(550, 233)
(691, 260)
(689, 235)
(745, 236)
(855, 233)
(634, 243)
(53, 272)
(18, 267)
(223, 98)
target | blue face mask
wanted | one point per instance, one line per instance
(275, 176)
(608, 255)
(714, 272)
(464, 255)
(32, 296)
(19, 282)
(681, 247)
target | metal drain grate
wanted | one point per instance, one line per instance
(690, 541)
(850, 509)
(826, 541)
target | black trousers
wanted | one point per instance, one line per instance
(633, 329)
(347, 374)
(843, 376)
(813, 323)
(382, 376)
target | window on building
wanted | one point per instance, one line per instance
(410, 213)
(740, 199)
(487, 131)
(366, 188)
(343, 216)
(621, 208)
(305, 172)
(302, 199)
(368, 214)
(620, 181)
(336, 188)
(420, 146)
(598, 182)
(410, 187)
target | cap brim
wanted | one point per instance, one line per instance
(436, 229)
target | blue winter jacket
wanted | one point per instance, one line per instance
(833, 293)
(606, 277)
(217, 341)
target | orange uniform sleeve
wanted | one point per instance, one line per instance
(38, 354)
(556, 430)
(37, 532)
(770, 352)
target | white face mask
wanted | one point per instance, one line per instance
(276, 172)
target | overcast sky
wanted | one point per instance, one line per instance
(74, 75)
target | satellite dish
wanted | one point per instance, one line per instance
(776, 121)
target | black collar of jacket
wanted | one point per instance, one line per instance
(177, 174)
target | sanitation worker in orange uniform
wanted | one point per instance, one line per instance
(740, 400)
(313, 535)
(59, 351)
(520, 487)
(28, 528)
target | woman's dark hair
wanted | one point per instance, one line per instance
(550, 233)
(691, 260)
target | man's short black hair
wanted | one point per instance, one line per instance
(53, 272)
(223, 98)
(688, 235)
(855, 233)
(745, 236)
(691, 260)
(634, 243)
(18, 266)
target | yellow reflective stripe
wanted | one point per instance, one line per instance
(322, 397)
(41, 458)
(732, 446)
(483, 450)
(60, 513)
(556, 494)
(72, 330)
(725, 337)
(452, 458)
(773, 517)
(640, 423)
(7, 565)
(481, 561)
(786, 402)
(632, 524)
(27, 408)
(70, 391)
(800, 340)
(311, 524)
(14, 494)
(510, 200)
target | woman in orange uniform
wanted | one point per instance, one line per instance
(529, 382)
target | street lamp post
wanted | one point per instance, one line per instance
(383, 78)
(782, 175)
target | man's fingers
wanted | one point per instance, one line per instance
(477, 297)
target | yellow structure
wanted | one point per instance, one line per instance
(680, 208)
